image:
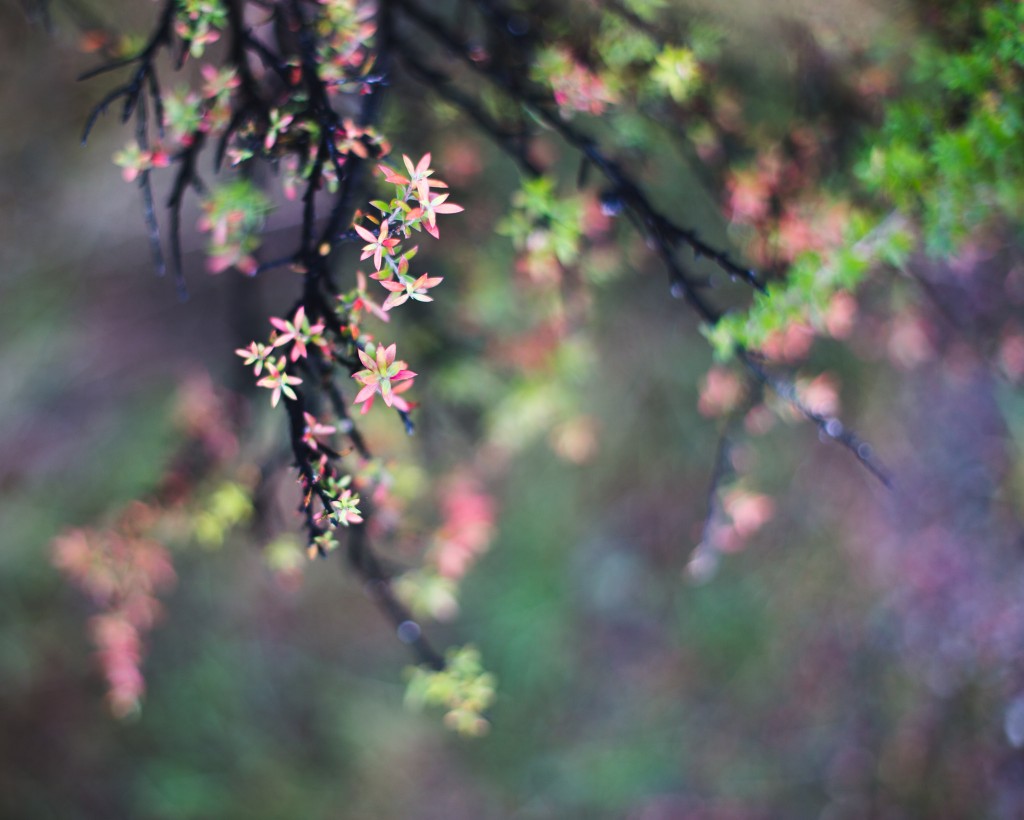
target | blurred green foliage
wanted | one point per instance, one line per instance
(812, 282)
(950, 148)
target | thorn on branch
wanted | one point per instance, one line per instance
(829, 427)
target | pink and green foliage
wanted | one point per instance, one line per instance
(377, 246)
(135, 160)
(545, 227)
(344, 510)
(466, 530)
(400, 218)
(575, 87)
(295, 89)
(379, 374)
(282, 109)
(122, 571)
(346, 32)
(256, 354)
(185, 115)
(299, 332)
(467, 527)
(199, 23)
(234, 215)
(278, 380)
(316, 433)
(125, 566)
(560, 364)
(403, 291)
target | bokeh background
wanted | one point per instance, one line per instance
(857, 655)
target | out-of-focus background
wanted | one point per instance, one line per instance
(856, 653)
